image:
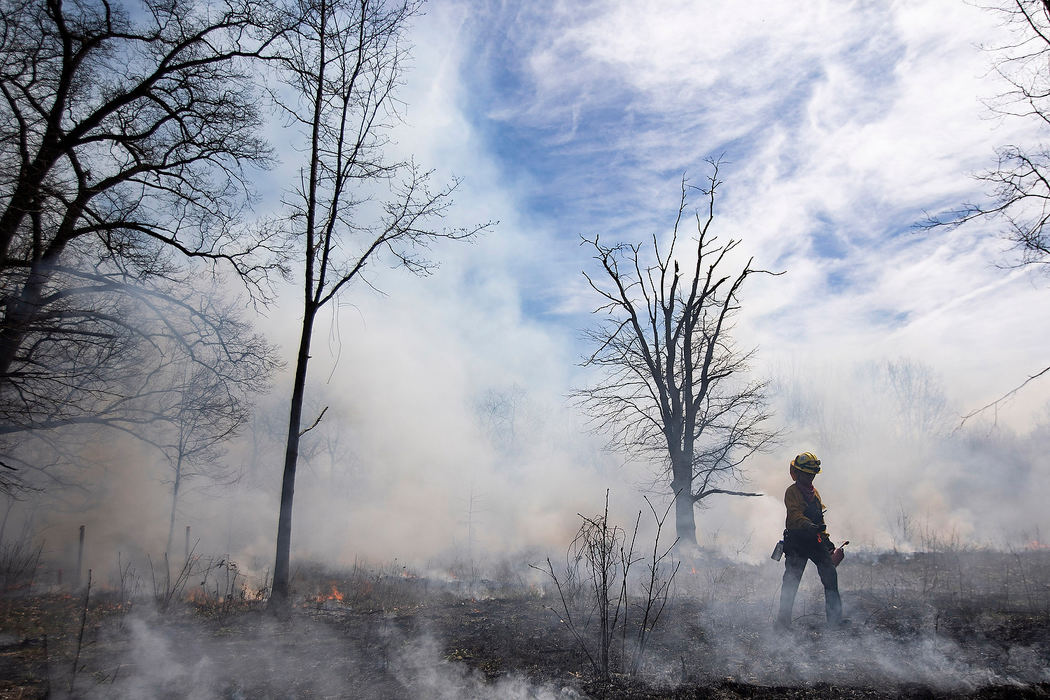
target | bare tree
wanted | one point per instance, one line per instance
(1018, 187)
(126, 136)
(206, 399)
(917, 405)
(673, 385)
(340, 63)
(156, 357)
(500, 415)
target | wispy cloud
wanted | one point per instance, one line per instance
(841, 123)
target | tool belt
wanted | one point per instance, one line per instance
(807, 543)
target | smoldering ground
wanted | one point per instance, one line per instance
(960, 624)
(488, 466)
(939, 622)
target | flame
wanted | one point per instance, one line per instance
(1036, 545)
(693, 569)
(335, 595)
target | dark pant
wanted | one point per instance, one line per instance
(793, 568)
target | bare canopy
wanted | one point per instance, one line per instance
(672, 385)
(127, 140)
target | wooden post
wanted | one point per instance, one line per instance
(80, 637)
(80, 560)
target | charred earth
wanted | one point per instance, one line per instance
(948, 624)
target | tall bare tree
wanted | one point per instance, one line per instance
(126, 139)
(341, 63)
(673, 386)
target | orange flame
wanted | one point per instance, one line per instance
(195, 595)
(335, 594)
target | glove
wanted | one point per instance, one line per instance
(838, 554)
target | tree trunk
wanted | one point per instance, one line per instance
(682, 484)
(685, 522)
(19, 313)
(23, 198)
(174, 502)
(279, 596)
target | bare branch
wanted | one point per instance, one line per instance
(1017, 196)
(313, 425)
(1002, 399)
(351, 206)
(710, 492)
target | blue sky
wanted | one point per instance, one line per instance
(840, 125)
(603, 128)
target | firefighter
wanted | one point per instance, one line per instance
(806, 539)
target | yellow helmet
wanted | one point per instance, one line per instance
(806, 462)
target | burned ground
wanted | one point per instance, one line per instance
(960, 624)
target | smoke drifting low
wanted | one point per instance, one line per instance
(717, 631)
(448, 435)
(266, 659)
(899, 469)
(905, 629)
(442, 443)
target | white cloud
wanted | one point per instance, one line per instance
(854, 119)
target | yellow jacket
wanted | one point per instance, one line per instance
(796, 511)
